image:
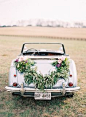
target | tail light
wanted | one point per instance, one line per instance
(70, 75)
(14, 75)
(70, 84)
(15, 84)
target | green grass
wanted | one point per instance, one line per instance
(17, 106)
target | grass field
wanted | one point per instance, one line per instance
(53, 32)
(17, 106)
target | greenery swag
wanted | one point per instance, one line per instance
(41, 82)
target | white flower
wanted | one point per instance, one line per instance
(25, 58)
(21, 58)
(59, 61)
(63, 58)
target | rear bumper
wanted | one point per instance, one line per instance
(24, 90)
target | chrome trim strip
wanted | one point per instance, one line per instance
(13, 89)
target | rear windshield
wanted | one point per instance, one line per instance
(43, 48)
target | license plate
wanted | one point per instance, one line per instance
(42, 96)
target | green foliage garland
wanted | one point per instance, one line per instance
(21, 66)
(41, 82)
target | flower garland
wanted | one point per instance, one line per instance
(24, 65)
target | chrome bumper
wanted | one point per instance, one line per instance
(23, 90)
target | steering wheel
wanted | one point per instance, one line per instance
(32, 50)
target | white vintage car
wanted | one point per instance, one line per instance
(42, 71)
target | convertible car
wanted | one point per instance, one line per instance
(43, 71)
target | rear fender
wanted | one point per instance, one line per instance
(73, 72)
(12, 72)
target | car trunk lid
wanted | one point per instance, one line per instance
(44, 67)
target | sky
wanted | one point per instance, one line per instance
(65, 10)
